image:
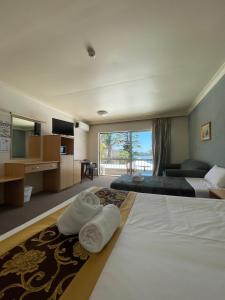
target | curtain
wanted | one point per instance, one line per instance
(161, 131)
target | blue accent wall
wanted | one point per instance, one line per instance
(211, 108)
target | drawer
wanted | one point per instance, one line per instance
(40, 167)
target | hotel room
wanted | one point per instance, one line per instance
(112, 150)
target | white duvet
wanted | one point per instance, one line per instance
(171, 248)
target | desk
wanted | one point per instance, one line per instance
(19, 169)
(13, 190)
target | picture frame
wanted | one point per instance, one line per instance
(206, 134)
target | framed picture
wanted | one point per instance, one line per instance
(206, 132)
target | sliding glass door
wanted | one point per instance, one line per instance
(125, 152)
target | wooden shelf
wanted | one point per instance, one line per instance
(4, 179)
(217, 193)
(69, 144)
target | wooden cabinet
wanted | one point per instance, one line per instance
(52, 145)
(77, 171)
(66, 171)
(34, 146)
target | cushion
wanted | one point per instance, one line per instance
(216, 176)
(191, 164)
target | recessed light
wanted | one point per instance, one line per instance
(102, 113)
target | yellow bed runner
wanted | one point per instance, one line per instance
(81, 286)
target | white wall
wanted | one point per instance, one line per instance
(80, 144)
(13, 101)
(179, 136)
(124, 126)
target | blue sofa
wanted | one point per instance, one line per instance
(189, 168)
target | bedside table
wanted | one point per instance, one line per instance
(217, 193)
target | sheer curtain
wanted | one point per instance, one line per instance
(161, 132)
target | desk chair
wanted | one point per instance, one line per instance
(91, 169)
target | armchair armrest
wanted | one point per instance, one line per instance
(185, 173)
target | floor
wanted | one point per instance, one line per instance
(12, 217)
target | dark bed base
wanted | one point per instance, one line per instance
(176, 186)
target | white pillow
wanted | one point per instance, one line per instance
(216, 176)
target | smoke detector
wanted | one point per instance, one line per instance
(90, 51)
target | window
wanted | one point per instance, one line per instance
(125, 152)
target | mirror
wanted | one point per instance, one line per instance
(26, 140)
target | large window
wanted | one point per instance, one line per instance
(125, 152)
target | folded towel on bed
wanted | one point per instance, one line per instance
(96, 233)
(84, 207)
(137, 177)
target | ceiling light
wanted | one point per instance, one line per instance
(102, 113)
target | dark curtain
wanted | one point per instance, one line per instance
(160, 144)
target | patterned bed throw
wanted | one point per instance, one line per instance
(43, 266)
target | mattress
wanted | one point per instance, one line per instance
(171, 248)
(201, 186)
(177, 186)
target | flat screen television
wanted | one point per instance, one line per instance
(62, 127)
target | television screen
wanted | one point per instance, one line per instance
(62, 127)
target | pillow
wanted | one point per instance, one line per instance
(216, 176)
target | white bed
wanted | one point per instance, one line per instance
(201, 186)
(171, 248)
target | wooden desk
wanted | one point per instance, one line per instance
(19, 169)
(217, 193)
(13, 190)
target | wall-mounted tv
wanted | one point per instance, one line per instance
(62, 127)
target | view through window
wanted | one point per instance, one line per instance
(125, 153)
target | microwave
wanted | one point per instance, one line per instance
(62, 149)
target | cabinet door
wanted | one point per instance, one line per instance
(77, 171)
(66, 171)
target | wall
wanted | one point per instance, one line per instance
(179, 140)
(13, 101)
(179, 136)
(211, 108)
(80, 144)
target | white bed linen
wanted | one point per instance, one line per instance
(171, 248)
(201, 186)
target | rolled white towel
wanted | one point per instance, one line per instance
(96, 233)
(84, 207)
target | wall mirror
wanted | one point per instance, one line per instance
(26, 139)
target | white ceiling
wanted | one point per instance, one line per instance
(153, 57)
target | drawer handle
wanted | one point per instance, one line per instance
(35, 168)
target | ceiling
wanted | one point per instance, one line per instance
(153, 57)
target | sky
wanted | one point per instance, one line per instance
(145, 140)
